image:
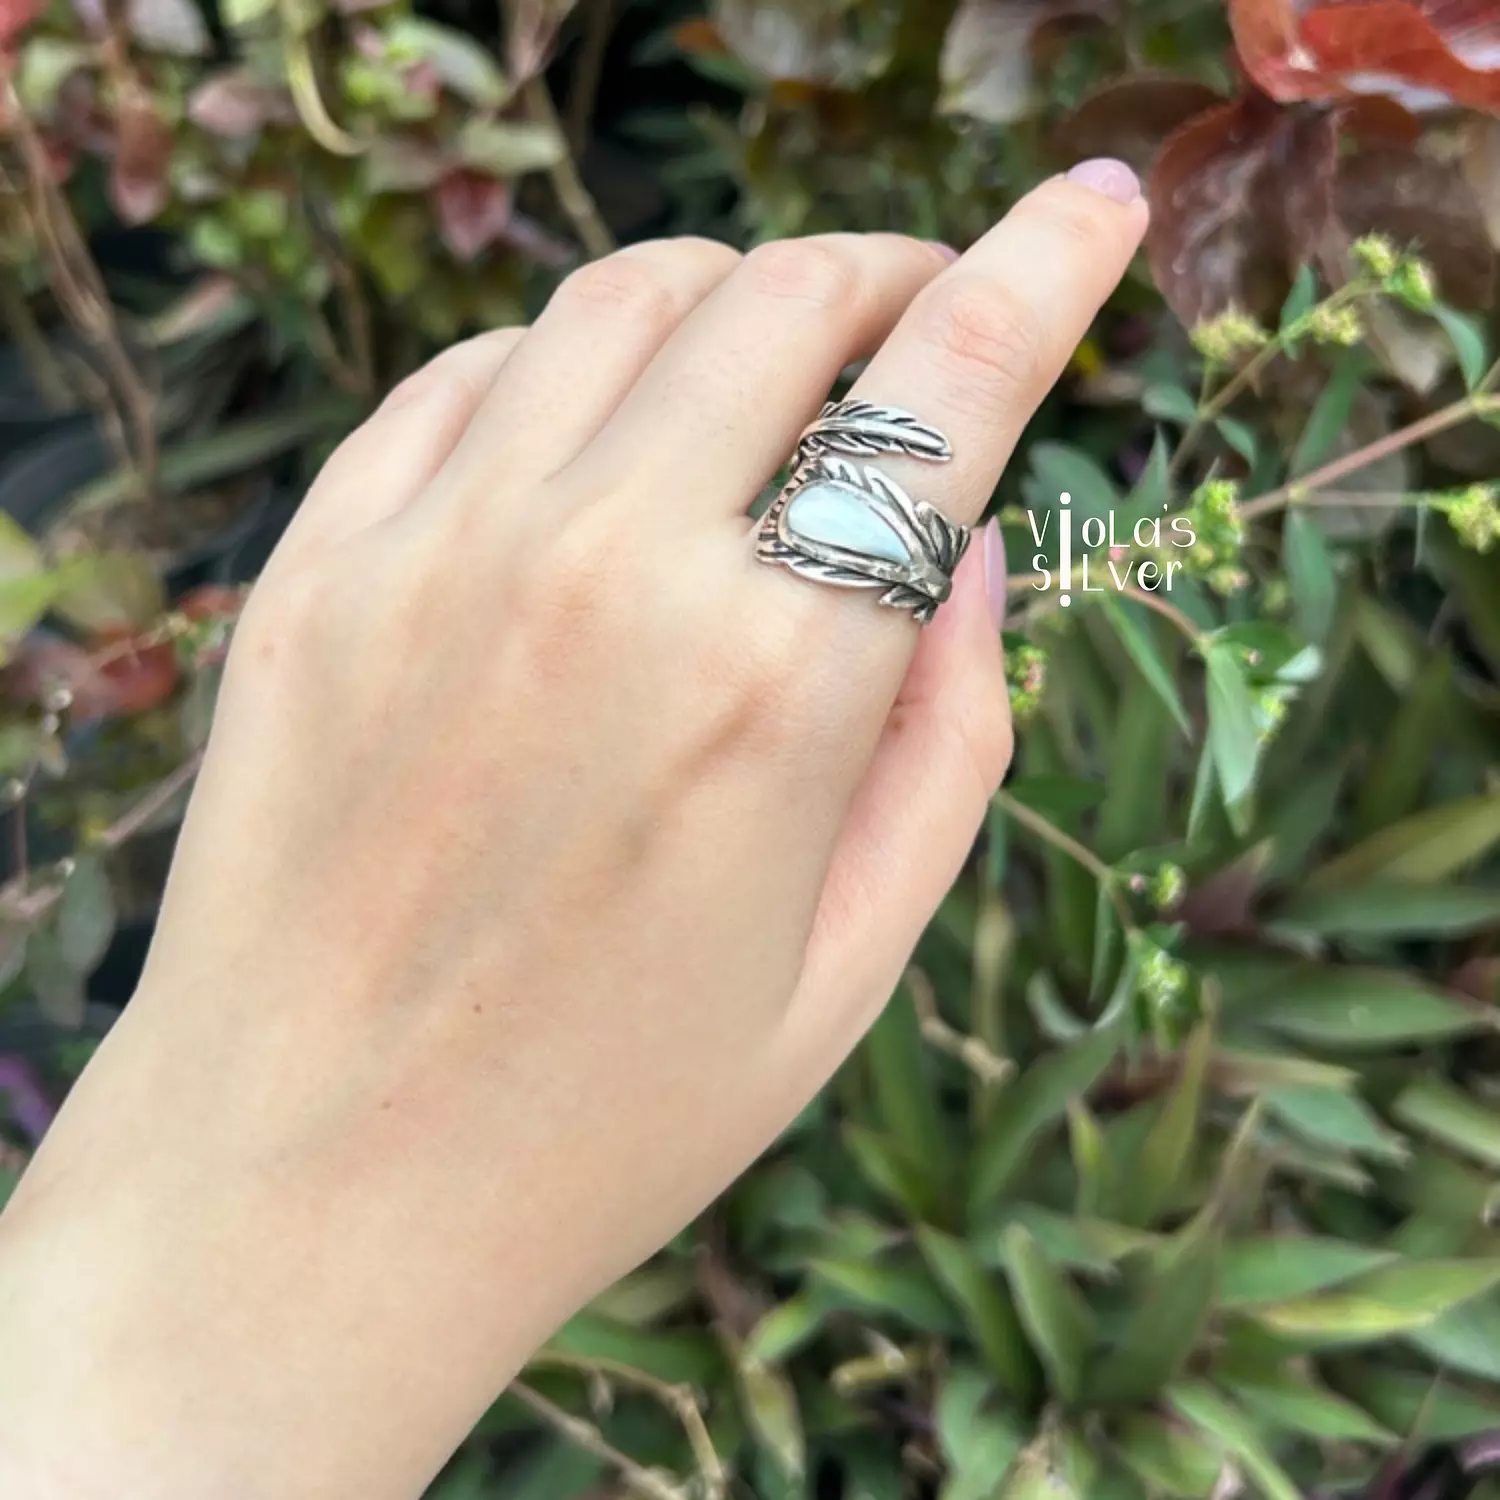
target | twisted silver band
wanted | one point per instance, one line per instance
(851, 525)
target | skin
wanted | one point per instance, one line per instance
(549, 854)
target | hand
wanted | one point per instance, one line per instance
(549, 854)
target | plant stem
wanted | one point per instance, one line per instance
(572, 196)
(678, 1399)
(1296, 491)
(1050, 833)
(1167, 611)
(987, 1066)
(596, 29)
(588, 1437)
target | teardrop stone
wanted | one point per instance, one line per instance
(838, 516)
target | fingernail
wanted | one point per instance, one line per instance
(994, 570)
(1106, 175)
(946, 251)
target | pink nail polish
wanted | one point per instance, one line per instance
(1106, 175)
(994, 570)
(946, 251)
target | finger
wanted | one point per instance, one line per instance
(913, 819)
(385, 461)
(980, 348)
(744, 374)
(589, 346)
(973, 356)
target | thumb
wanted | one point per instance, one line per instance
(913, 819)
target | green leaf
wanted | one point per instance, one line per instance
(787, 1327)
(1404, 1401)
(1135, 635)
(978, 1442)
(1232, 736)
(1301, 299)
(1360, 1008)
(1092, 1166)
(109, 591)
(1427, 847)
(1056, 1318)
(905, 1094)
(1468, 338)
(1079, 1243)
(1391, 1300)
(1037, 1099)
(1386, 909)
(1236, 1435)
(1167, 1458)
(1169, 403)
(891, 1172)
(1329, 418)
(992, 1319)
(1157, 1172)
(1153, 490)
(1166, 1323)
(682, 1356)
(85, 915)
(1134, 810)
(1398, 771)
(1444, 1113)
(1060, 469)
(1336, 1118)
(508, 148)
(1467, 1340)
(23, 601)
(1239, 436)
(1309, 571)
(903, 1290)
(1282, 1400)
(770, 1404)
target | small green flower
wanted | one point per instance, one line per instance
(1161, 979)
(1227, 580)
(1475, 516)
(1377, 254)
(1168, 886)
(1026, 675)
(1221, 340)
(1335, 325)
(1412, 282)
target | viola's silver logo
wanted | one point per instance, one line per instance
(1141, 559)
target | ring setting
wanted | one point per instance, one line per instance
(849, 524)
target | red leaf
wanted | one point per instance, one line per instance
(15, 17)
(1378, 46)
(472, 211)
(1239, 199)
(212, 601)
(1424, 53)
(115, 677)
(143, 151)
(236, 104)
(1426, 203)
(1132, 118)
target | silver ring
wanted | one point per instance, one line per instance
(853, 526)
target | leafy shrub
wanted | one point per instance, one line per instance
(1174, 1167)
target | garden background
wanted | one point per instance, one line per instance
(1173, 1169)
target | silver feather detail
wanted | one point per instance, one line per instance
(865, 429)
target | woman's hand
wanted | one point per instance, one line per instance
(548, 855)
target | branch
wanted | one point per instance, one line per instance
(572, 196)
(1049, 833)
(1166, 611)
(680, 1400)
(589, 71)
(1296, 491)
(982, 1061)
(588, 1437)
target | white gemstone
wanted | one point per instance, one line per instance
(838, 516)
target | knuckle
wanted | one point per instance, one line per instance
(630, 286)
(811, 271)
(565, 595)
(984, 337)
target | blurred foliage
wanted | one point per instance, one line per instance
(1173, 1169)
